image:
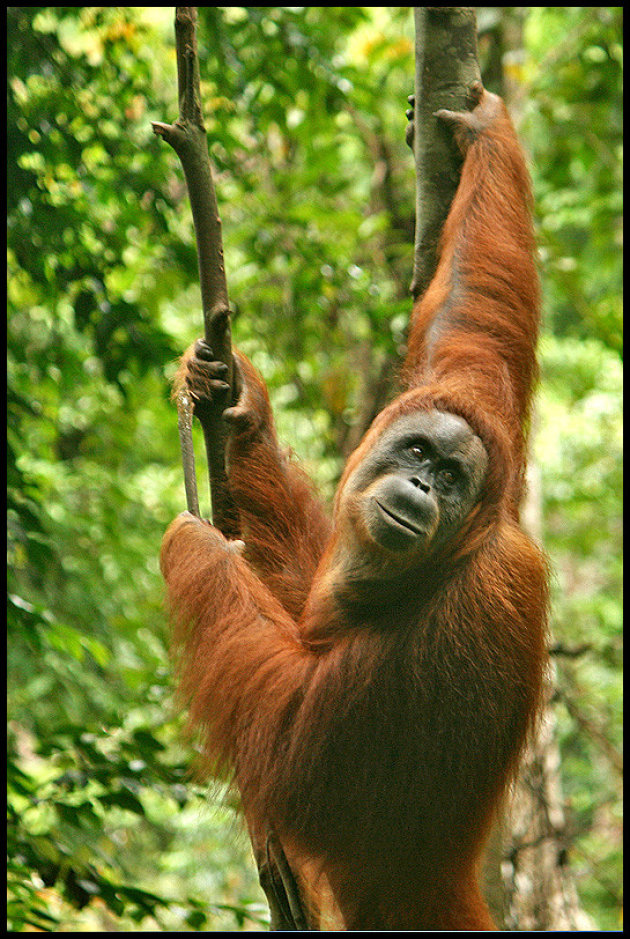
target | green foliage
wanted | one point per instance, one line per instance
(575, 128)
(579, 449)
(306, 122)
(573, 121)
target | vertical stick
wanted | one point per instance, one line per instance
(187, 136)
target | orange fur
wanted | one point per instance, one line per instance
(376, 725)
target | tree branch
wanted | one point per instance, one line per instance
(187, 136)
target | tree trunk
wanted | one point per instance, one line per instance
(446, 68)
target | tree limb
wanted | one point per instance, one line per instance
(187, 136)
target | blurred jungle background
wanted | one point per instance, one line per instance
(306, 121)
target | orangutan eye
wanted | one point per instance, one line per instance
(449, 476)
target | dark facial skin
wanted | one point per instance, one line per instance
(417, 485)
